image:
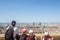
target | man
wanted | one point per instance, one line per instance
(11, 32)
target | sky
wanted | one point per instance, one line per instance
(27, 11)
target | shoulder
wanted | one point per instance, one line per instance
(7, 28)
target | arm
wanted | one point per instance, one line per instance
(35, 38)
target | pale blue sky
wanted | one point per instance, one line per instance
(30, 11)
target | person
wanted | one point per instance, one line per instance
(31, 35)
(23, 35)
(12, 31)
(47, 36)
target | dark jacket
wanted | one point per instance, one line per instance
(9, 34)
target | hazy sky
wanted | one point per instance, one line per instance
(30, 10)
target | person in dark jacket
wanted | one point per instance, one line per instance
(12, 31)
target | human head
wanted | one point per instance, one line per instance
(24, 31)
(30, 32)
(46, 33)
(13, 23)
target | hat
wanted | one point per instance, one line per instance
(14, 21)
(24, 30)
(46, 33)
(30, 31)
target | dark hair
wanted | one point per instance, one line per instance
(14, 21)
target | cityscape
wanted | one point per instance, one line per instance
(37, 27)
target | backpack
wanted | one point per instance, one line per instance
(23, 37)
(9, 34)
